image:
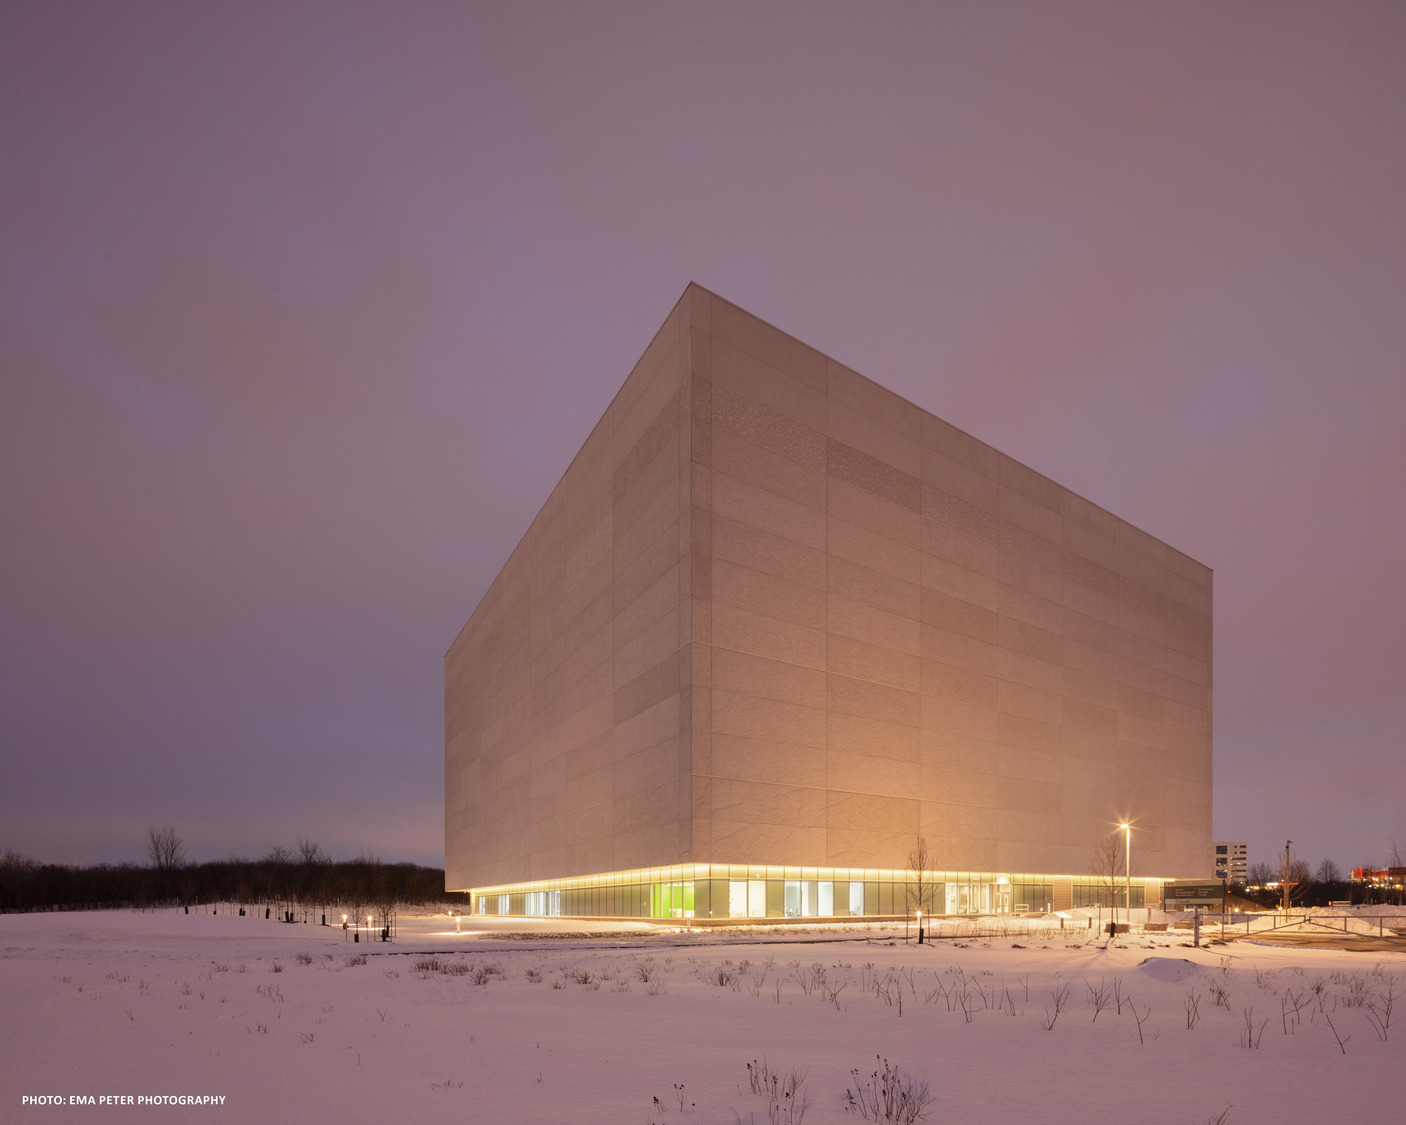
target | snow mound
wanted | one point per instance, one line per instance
(1173, 970)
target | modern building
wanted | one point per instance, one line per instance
(1231, 861)
(775, 624)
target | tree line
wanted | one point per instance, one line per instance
(1299, 883)
(303, 877)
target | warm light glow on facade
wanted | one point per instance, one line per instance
(721, 892)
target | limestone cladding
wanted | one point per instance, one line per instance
(773, 613)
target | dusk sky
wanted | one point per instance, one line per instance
(305, 308)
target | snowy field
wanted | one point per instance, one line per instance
(528, 1023)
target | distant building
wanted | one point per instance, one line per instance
(1392, 878)
(775, 624)
(1230, 857)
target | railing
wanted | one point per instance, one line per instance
(1198, 927)
(1304, 921)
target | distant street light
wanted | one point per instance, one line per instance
(1128, 872)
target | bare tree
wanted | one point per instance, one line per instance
(165, 849)
(385, 908)
(310, 853)
(920, 887)
(1259, 874)
(11, 860)
(1294, 876)
(1106, 866)
(1328, 872)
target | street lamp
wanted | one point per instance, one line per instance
(1128, 872)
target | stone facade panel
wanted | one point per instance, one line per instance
(775, 614)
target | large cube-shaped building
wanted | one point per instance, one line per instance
(776, 623)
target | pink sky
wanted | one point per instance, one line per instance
(304, 309)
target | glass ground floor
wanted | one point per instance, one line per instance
(728, 892)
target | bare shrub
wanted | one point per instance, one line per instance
(1060, 997)
(832, 992)
(1356, 991)
(1147, 1011)
(1099, 998)
(888, 1095)
(1289, 1008)
(1250, 1036)
(1379, 1010)
(1342, 1039)
(810, 979)
(786, 1103)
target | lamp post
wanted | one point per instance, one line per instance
(1128, 872)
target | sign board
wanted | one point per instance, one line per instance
(1193, 894)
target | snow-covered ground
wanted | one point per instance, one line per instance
(518, 1021)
